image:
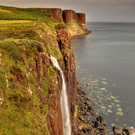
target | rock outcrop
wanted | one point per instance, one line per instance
(69, 15)
(76, 22)
(68, 66)
(82, 19)
(55, 12)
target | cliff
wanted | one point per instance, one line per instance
(76, 22)
(56, 13)
(29, 84)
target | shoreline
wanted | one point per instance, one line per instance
(79, 35)
(95, 127)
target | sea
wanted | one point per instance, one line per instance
(106, 60)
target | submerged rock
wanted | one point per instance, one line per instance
(87, 84)
(94, 113)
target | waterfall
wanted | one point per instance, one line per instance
(63, 100)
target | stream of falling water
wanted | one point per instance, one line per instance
(64, 101)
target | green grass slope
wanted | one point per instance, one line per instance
(24, 34)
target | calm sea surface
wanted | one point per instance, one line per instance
(106, 60)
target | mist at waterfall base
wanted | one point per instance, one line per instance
(63, 100)
(106, 60)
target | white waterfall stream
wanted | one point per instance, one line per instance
(64, 101)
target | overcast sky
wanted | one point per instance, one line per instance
(96, 10)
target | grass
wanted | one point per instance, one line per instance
(19, 106)
(3, 10)
(11, 49)
(11, 13)
(13, 21)
(74, 28)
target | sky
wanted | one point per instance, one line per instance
(95, 10)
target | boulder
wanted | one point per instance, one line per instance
(84, 93)
(81, 118)
(117, 130)
(93, 102)
(88, 119)
(90, 108)
(88, 130)
(94, 113)
(101, 120)
(129, 130)
(99, 126)
(87, 113)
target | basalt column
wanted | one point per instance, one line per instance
(81, 19)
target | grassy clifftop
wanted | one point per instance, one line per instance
(26, 77)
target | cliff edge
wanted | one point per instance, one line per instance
(76, 22)
(29, 84)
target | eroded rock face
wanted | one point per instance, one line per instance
(54, 115)
(55, 123)
(81, 18)
(68, 66)
(69, 15)
(55, 12)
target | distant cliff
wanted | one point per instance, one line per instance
(76, 22)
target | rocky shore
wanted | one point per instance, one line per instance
(91, 126)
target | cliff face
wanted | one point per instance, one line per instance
(55, 12)
(68, 66)
(29, 84)
(81, 19)
(69, 15)
(76, 22)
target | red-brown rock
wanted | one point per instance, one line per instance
(69, 15)
(55, 12)
(68, 66)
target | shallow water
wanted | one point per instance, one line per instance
(106, 60)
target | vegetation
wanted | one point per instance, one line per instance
(75, 113)
(24, 35)
(59, 26)
(75, 28)
(23, 102)
(11, 13)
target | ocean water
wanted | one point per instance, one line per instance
(106, 60)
